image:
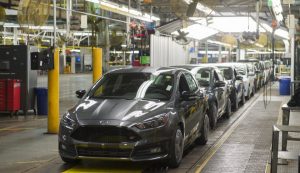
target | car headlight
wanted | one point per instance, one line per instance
(157, 121)
(68, 121)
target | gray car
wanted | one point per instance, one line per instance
(137, 114)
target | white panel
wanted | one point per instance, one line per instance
(165, 52)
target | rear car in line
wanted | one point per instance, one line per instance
(212, 82)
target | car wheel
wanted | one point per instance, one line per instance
(176, 149)
(248, 93)
(213, 115)
(228, 109)
(69, 160)
(243, 99)
(235, 102)
(253, 91)
(202, 140)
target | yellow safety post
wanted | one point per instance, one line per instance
(97, 64)
(53, 95)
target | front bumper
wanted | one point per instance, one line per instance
(153, 144)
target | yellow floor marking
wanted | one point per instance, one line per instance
(268, 168)
(15, 129)
(116, 169)
(10, 127)
(207, 156)
(33, 161)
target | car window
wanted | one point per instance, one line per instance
(134, 85)
(191, 82)
(226, 72)
(203, 77)
(161, 87)
(120, 85)
(220, 76)
(241, 70)
(183, 85)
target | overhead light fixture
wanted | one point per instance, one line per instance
(11, 12)
(216, 52)
(277, 9)
(235, 24)
(197, 32)
(282, 33)
(124, 10)
(202, 8)
(259, 45)
(219, 43)
(82, 34)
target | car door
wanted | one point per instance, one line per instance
(196, 110)
(218, 91)
(225, 89)
(251, 76)
(187, 108)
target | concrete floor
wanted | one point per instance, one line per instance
(239, 144)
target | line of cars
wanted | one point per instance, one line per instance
(143, 114)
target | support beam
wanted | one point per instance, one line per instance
(53, 96)
(97, 64)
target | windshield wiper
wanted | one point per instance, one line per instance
(111, 97)
(151, 99)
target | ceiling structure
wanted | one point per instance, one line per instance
(168, 11)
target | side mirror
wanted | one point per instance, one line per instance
(80, 93)
(220, 84)
(239, 77)
(188, 96)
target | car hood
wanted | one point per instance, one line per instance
(117, 110)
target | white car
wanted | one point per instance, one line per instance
(248, 78)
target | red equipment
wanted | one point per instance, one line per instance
(10, 90)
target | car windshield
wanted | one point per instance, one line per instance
(227, 72)
(240, 70)
(203, 77)
(134, 85)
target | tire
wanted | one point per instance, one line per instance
(69, 160)
(235, 103)
(228, 109)
(253, 91)
(213, 115)
(176, 149)
(248, 93)
(243, 101)
(202, 140)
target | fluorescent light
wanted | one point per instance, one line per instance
(135, 52)
(258, 45)
(75, 50)
(198, 32)
(216, 52)
(11, 25)
(219, 43)
(233, 24)
(123, 10)
(82, 34)
(263, 52)
(11, 12)
(282, 33)
(267, 27)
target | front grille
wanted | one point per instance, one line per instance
(100, 152)
(104, 134)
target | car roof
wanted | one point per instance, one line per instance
(172, 70)
(192, 66)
